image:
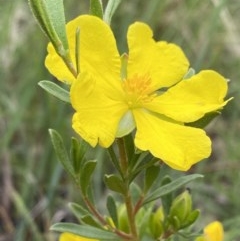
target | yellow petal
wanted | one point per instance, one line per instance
(73, 237)
(98, 51)
(191, 99)
(99, 109)
(165, 63)
(214, 231)
(178, 146)
(57, 67)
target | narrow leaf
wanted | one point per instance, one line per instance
(96, 8)
(78, 210)
(114, 183)
(86, 174)
(55, 10)
(85, 231)
(61, 151)
(78, 151)
(150, 176)
(168, 188)
(55, 90)
(90, 220)
(39, 10)
(112, 209)
(110, 10)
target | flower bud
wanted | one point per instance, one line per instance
(156, 223)
(181, 210)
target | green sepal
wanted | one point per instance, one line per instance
(61, 152)
(175, 223)
(86, 174)
(55, 90)
(85, 231)
(96, 8)
(192, 217)
(143, 219)
(156, 223)
(123, 218)
(115, 183)
(181, 207)
(168, 188)
(112, 210)
(110, 10)
(204, 121)
(151, 175)
(189, 74)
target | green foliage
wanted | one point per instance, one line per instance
(112, 210)
(85, 231)
(52, 21)
(168, 188)
(115, 183)
(96, 8)
(61, 152)
(55, 90)
(86, 174)
(110, 10)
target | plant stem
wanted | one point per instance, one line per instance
(127, 197)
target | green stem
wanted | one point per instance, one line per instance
(65, 56)
(127, 197)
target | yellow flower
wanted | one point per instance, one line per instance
(146, 92)
(212, 232)
(73, 237)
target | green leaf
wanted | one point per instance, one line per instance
(83, 215)
(115, 183)
(168, 188)
(55, 90)
(85, 231)
(78, 151)
(90, 220)
(39, 10)
(55, 10)
(167, 199)
(112, 209)
(96, 8)
(50, 16)
(151, 174)
(61, 151)
(110, 10)
(86, 174)
(78, 210)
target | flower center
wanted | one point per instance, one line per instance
(138, 90)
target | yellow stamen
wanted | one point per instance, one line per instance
(138, 90)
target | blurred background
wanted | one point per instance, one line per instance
(34, 190)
